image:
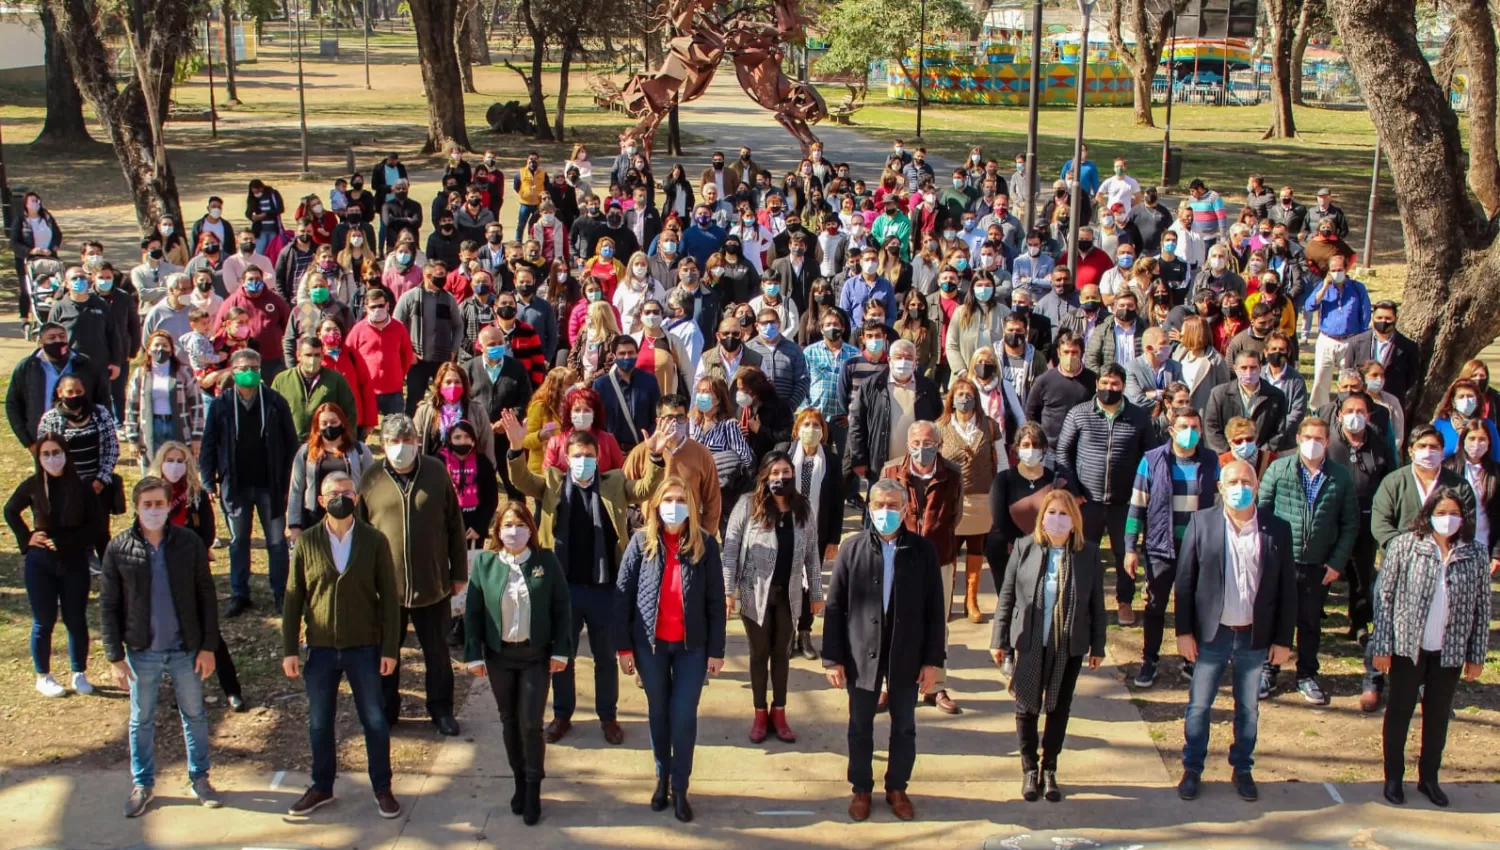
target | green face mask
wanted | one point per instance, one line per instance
(248, 379)
(319, 294)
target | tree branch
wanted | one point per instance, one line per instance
(1472, 22)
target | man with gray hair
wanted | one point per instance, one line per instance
(885, 407)
(249, 441)
(410, 499)
(934, 488)
(170, 314)
(883, 625)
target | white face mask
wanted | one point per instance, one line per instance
(53, 464)
(1427, 458)
(1446, 525)
(1311, 449)
(582, 420)
(153, 519)
(401, 455)
(1031, 456)
(744, 399)
(903, 369)
(173, 470)
(869, 266)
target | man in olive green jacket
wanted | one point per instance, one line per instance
(343, 586)
(1316, 497)
(410, 499)
(311, 385)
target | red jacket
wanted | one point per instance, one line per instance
(384, 354)
(269, 314)
(348, 365)
(1091, 268)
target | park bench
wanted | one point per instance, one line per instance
(850, 105)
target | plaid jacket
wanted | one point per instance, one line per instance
(187, 407)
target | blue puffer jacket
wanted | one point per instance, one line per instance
(639, 598)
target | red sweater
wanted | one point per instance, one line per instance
(385, 354)
(349, 366)
(526, 346)
(1091, 268)
(669, 622)
(269, 314)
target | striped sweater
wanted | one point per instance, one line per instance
(1209, 219)
(1164, 482)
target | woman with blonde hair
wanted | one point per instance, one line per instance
(545, 415)
(590, 355)
(1050, 617)
(162, 402)
(605, 267)
(670, 619)
(974, 443)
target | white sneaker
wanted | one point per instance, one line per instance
(81, 684)
(48, 686)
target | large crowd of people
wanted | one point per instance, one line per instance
(651, 409)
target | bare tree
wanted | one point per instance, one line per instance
(226, 19)
(1282, 17)
(1313, 18)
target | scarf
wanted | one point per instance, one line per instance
(464, 471)
(594, 504)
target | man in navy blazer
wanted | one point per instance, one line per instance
(1236, 605)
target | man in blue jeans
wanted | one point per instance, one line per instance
(158, 615)
(343, 586)
(1236, 606)
(248, 443)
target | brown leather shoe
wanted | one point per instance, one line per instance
(612, 732)
(944, 703)
(557, 729)
(900, 805)
(1127, 614)
(1369, 701)
(386, 805)
(859, 807)
(310, 802)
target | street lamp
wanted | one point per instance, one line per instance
(1035, 106)
(921, 60)
(301, 92)
(1086, 8)
(367, 44)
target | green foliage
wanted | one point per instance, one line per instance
(863, 32)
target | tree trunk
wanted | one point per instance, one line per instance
(461, 44)
(906, 72)
(570, 48)
(123, 110)
(1476, 31)
(1151, 36)
(1281, 16)
(674, 133)
(226, 18)
(436, 23)
(1453, 277)
(1311, 9)
(534, 82)
(64, 128)
(479, 42)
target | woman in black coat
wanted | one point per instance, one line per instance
(66, 522)
(1051, 615)
(1474, 462)
(823, 485)
(1016, 499)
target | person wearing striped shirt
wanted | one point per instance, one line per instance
(1209, 218)
(522, 340)
(1171, 482)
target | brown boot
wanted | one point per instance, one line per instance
(971, 591)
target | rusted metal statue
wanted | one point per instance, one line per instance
(753, 36)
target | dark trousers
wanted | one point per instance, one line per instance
(1360, 574)
(770, 646)
(240, 508)
(229, 677)
(361, 666)
(23, 290)
(805, 617)
(431, 623)
(1057, 722)
(1311, 594)
(997, 552)
(1160, 576)
(417, 378)
(593, 606)
(1436, 686)
(518, 676)
(388, 403)
(903, 745)
(117, 392)
(57, 582)
(1099, 519)
(672, 676)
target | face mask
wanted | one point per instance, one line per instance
(770, 330)
(1125, 261)
(923, 456)
(743, 399)
(1250, 378)
(1057, 524)
(593, 294)
(1244, 451)
(987, 261)
(1216, 263)
(673, 513)
(1354, 422)
(55, 350)
(153, 519)
(1239, 497)
(94, 261)
(1012, 340)
(730, 344)
(1109, 398)
(1085, 246)
(1187, 438)
(582, 420)
(1033, 250)
(356, 240)
(319, 294)
(886, 521)
(875, 345)
(1108, 220)
(779, 486)
(1091, 306)
(160, 355)
(1374, 385)
(403, 258)
(606, 252)
(963, 403)
(78, 284)
(1446, 525)
(1427, 458)
(903, 369)
(1311, 449)
(1466, 405)
(254, 285)
(248, 379)
(625, 364)
(810, 435)
(982, 294)
(638, 270)
(55, 463)
(451, 393)
(401, 455)
(378, 315)
(869, 266)
(1126, 315)
(506, 312)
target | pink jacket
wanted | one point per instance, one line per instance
(579, 315)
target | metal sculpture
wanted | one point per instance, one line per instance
(751, 36)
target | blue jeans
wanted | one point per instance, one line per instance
(672, 677)
(263, 239)
(148, 668)
(240, 508)
(361, 666)
(1228, 648)
(163, 428)
(594, 607)
(53, 584)
(903, 744)
(524, 214)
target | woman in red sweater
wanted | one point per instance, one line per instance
(583, 410)
(670, 618)
(345, 362)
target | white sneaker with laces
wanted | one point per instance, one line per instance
(48, 686)
(81, 684)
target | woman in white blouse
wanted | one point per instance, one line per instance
(162, 402)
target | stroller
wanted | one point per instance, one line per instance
(43, 277)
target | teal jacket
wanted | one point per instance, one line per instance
(1326, 533)
(551, 608)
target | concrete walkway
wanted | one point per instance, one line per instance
(774, 795)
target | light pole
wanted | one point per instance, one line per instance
(921, 60)
(208, 45)
(301, 92)
(1035, 107)
(367, 45)
(1370, 210)
(1166, 136)
(1086, 7)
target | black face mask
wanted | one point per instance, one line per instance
(779, 486)
(730, 344)
(160, 355)
(614, 219)
(55, 350)
(1013, 340)
(1109, 398)
(332, 433)
(507, 312)
(340, 506)
(204, 285)
(526, 289)
(73, 404)
(833, 334)
(984, 371)
(495, 238)
(823, 298)
(1126, 316)
(1276, 358)
(461, 450)
(1384, 327)
(1085, 246)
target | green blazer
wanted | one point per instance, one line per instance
(551, 610)
(1398, 501)
(1324, 533)
(615, 490)
(331, 386)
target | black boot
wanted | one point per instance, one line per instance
(1030, 792)
(661, 797)
(518, 799)
(1394, 793)
(1049, 786)
(1430, 789)
(533, 808)
(681, 810)
(805, 639)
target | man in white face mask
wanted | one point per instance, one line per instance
(157, 610)
(410, 500)
(885, 407)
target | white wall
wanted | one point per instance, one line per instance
(20, 46)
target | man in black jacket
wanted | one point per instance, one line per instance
(1236, 606)
(91, 327)
(795, 272)
(296, 258)
(886, 405)
(398, 214)
(1389, 347)
(1250, 396)
(34, 378)
(156, 609)
(498, 384)
(884, 624)
(1101, 444)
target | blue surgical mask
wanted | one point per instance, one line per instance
(961, 263)
(669, 247)
(625, 363)
(1187, 438)
(772, 289)
(606, 252)
(254, 285)
(982, 293)
(704, 401)
(105, 284)
(495, 352)
(78, 284)
(1245, 451)
(875, 346)
(673, 513)
(770, 330)
(404, 258)
(1125, 261)
(969, 224)
(1239, 496)
(1466, 405)
(886, 521)
(582, 468)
